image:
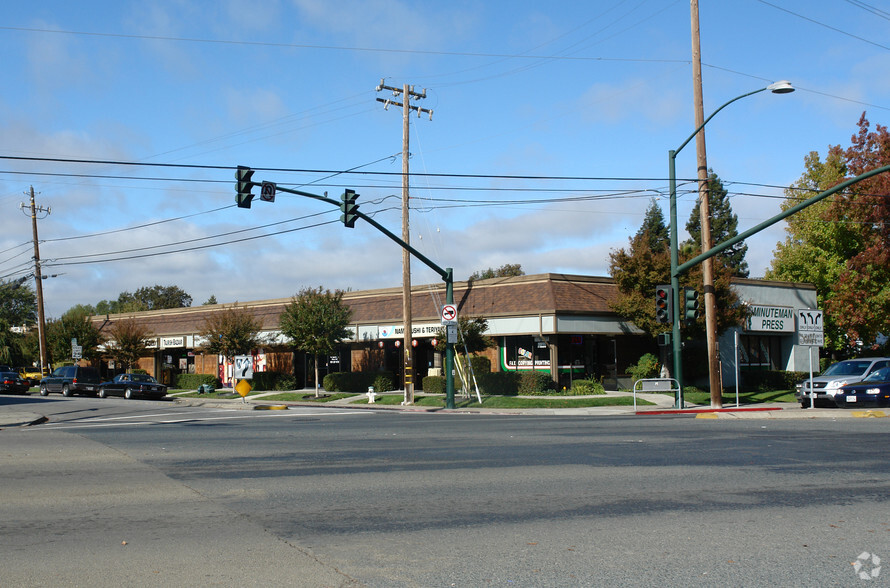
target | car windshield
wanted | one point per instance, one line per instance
(847, 368)
(881, 375)
(8, 376)
(141, 378)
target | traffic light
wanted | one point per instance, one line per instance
(349, 208)
(244, 186)
(690, 305)
(663, 304)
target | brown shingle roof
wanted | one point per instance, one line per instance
(522, 295)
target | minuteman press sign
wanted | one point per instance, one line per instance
(774, 319)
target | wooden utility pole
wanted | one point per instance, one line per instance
(407, 92)
(38, 278)
(704, 203)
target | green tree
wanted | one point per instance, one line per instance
(74, 324)
(816, 249)
(471, 337)
(11, 346)
(724, 226)
(230, 332)
(646, 263)
(127, 342)
(18, 303)
(507, 270)
(210, 301)
(315, 322)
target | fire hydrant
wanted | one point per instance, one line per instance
(372, 396)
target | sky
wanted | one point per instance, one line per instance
(549, 135)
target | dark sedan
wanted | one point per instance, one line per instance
(12, 383)
(874, 390)
(132, 385)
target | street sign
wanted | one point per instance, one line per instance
(809, 327)
(449, 314)
(243, 367)
(243, 388)
(267, 192)
(76, 351)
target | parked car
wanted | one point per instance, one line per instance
(12, 383)
(838, 374)
(30, 375)
(132, 385)
(71, 379)
(874, 390)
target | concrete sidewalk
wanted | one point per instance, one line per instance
(11, 417)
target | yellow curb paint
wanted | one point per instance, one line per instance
(706, 415)
(275, 407)
(862, 414)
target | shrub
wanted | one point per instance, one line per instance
(356, 381)
(586, 387)
(480, 364)
(273, 381)
(434, 384)
(772, 379)
(535, 384)
(192, 381)
(384, 383)
(646, 367)
(499, 383)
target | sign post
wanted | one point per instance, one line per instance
(809, 332)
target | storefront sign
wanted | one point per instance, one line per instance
(172, 342)
(398, 331)
(774, 319)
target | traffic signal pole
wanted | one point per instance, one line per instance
(447, 274)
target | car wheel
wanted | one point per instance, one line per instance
(66, 391)
(128, 394)
(43, 390)
(102, 393)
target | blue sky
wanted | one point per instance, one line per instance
(593, 92)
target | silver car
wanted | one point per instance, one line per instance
(838, 374)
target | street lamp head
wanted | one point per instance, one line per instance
(781, 87)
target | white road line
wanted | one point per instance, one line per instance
(118, 422)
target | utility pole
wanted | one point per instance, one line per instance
(41, 317)
(407, 92)
(704, 202)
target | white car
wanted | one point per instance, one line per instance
(838, 374)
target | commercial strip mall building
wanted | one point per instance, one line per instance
(538, 322)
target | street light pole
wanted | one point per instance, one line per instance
(781, 87)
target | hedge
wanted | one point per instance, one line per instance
(773, 379)
(192, 381)
(262, 381)
(359, 381)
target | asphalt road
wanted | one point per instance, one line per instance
(333, 497)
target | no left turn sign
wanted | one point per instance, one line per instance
(449, 314)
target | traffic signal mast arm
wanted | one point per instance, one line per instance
(445, 274)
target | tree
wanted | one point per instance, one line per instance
(233, 331)
(127, 342)
(471, 337)
(74, 324)
(11, 345)
(816, 250)
(315, 322)
(505, 271)
(646, 263)
(724, 226)
(841, 244)
(158, 297)
(861, 300)
(210, 301)
(18, 303)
